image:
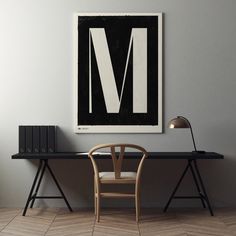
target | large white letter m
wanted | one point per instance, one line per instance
(138, 40)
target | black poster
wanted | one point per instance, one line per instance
(118, 73)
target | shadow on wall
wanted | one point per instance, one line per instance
(158, 180)
(76, 179)
(63, 142)
(220, 180)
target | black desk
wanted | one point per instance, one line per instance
(190, 157)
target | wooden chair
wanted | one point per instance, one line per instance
(117, 153)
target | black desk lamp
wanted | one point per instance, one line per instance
(182, 122)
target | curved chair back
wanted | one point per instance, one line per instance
(117, 152)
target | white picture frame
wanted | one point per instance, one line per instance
(96, 73)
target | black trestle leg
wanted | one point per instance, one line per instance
(38, 185)
(197, 185)
(176, 188)
(43, 165)
(32, 187)
(203, 188)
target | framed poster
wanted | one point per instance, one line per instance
(118, 73)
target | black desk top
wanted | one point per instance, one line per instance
(130, 155)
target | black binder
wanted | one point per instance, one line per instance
(51, 138)
(28, 139)
(21, 139)
(36, 139)
(43, 139)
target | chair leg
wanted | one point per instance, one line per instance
(137, 203)
(95, 205)
(136, 209)
(98, 208)
(95, 199)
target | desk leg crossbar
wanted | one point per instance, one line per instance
(199, 185)
(43, 165)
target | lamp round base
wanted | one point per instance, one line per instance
(198, 152)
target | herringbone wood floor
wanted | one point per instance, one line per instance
(60, 222)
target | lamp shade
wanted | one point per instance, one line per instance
(182, 122)
(179, 122)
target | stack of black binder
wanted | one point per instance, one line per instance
(37, 139)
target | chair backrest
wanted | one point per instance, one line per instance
(117, 153)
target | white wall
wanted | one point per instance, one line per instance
(36, 87)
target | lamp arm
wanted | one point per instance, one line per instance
(191, 132)
(193, 139)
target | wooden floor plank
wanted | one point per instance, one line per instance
(117, 222)
(157, 223)
(200, 222)
(35, 223)
(228, 217)
(79, 222)
(7, 215)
